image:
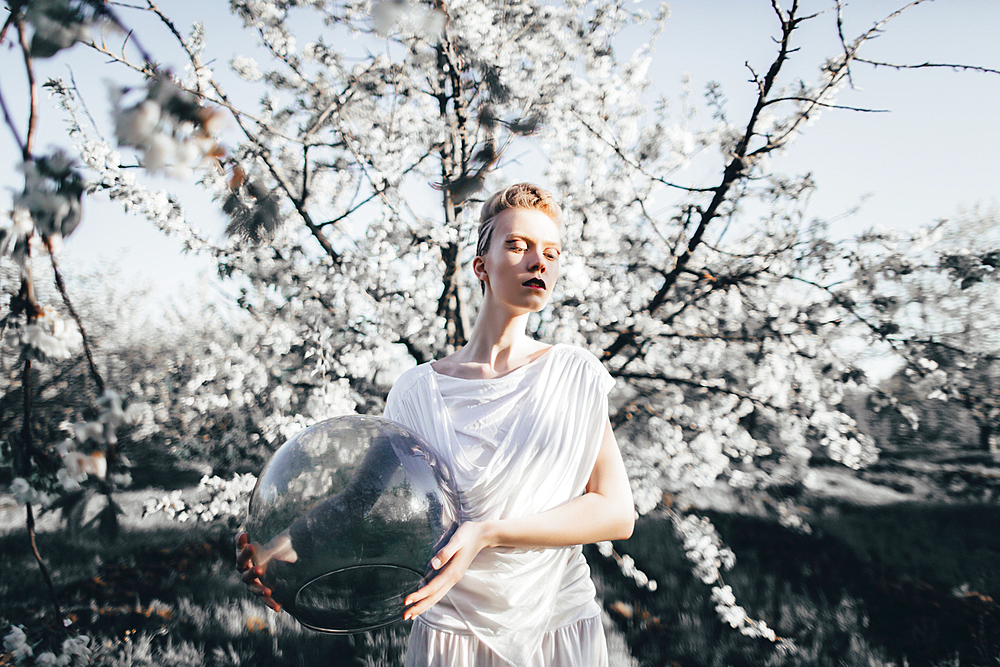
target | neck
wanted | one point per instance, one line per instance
(497, 336)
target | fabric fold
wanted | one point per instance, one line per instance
(516, 445)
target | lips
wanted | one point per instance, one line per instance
(536, 283)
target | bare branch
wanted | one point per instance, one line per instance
(10, 123)
(824, 105)
(61, 286)
(929, 65)
(737, 165)
(718, 389)
(29, 66)
(840, 301)
(631, 163)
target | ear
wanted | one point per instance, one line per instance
(479, 268)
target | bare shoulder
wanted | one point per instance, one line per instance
(460, 363)
(446, 366)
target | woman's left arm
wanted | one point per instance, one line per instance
(604, 512)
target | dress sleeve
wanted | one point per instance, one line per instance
(396, 408)
(601, 375)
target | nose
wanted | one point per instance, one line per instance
(537, 262)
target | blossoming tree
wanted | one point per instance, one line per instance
(352, 189)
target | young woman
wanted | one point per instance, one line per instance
(525, 429)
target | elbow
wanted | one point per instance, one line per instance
(627, 525)
(624, 523)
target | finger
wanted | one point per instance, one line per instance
(444, 556)
(242, 556)
(427, 596)
(242, 539)
(260, 589)
(245, 560)
(423, 605)
(252, 574)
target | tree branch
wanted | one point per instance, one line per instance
(29, 67)
(625, 158)
(929, 65)
(61, 285)
(691, 383)
(824, 105)
(10, 123)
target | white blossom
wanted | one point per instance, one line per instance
(16, 643)
(246, 68)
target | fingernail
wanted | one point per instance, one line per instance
(435, 563)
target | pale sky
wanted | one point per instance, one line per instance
(932, 154)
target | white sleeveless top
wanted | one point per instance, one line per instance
(517, 445)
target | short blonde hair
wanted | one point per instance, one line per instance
(519, 195)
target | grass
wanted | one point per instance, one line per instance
(907, 585)
(893, 585)
(171, 598)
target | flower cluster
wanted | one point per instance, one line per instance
(48, 337)
(111, 415)
(16, 643)
(172, 130)
(703, 546)
(705, 550)
(25, 493)
(95, 437)
(52, 194)
(157, 206)
(627, 565)
(399, 15)
(59, 24)
(15, 229)
(736, 616)
(220, 499)
(74, 651)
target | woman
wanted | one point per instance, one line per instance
(525, 427)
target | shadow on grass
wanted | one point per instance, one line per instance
(169, 597)
(871, 586)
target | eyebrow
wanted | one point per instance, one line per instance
(514, 236)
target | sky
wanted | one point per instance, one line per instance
(930, 154)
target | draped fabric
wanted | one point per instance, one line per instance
(581, 644)
(517, 445)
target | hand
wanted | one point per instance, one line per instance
(451, 562)
(252, 560)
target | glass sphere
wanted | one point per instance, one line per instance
(365, 505)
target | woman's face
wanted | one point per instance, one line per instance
(522, 263)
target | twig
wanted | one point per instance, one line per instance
(691, 383)
(622, 156)
(817, 103)
(98, 380)
(30, 524)
(29, 67)
(25, 463)
(10, 123)
(928, 65)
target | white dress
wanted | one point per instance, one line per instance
(517, 445)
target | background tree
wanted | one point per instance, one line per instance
(722, 310)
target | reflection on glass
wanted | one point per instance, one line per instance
(366, 505)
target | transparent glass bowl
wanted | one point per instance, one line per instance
(366, 505)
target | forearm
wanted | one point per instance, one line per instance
(589, 518)
(604, 512)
